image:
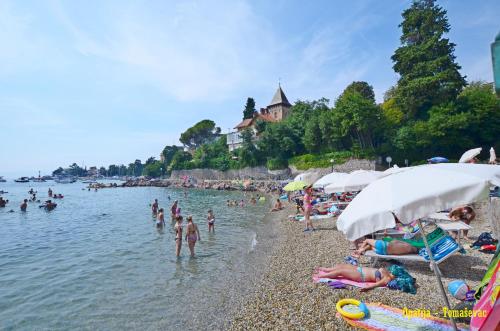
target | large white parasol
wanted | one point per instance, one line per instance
(355, 181)
(307, 177)
(469, 155)
(414, 194)
(329, 179)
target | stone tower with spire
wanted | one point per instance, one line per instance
(279, 107)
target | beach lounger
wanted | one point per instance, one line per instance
(441, 249)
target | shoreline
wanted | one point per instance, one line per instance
(285, 298)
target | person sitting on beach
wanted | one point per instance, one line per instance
(178, 235)
(173, 210)
(192, 234)
(24, 205)
(277, 206)
(465, 214)
(380, 277)
(160, 218)
(154, 207)
(211, 221)
(395, 247)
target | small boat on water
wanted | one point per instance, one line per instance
(22, 180)
(38, 180)
(2, 180)
(65, 180)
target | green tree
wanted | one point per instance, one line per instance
(168, 153)
(102, 171)
(59, 171)
(425, 61)
(202, 132)
(357, 118)
(180, 160)
(153, 169)
(363, 88)
(248, 153)
(249, 108)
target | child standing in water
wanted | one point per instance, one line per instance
(192, 234)
(211, 221)
(178, 235)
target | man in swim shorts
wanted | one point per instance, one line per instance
(154, 207)
(395, 247)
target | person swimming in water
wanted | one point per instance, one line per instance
(160, 218)
(3, 202)
(154, 208)
(24, 205)
(211, 221)
(178, 235)
(192, 234)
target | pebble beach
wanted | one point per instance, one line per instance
(285, 298)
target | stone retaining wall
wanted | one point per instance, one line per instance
(264, 173)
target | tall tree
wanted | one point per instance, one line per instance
(202, 132)
(425, 60)
(363, 88)
(249, 108)
(168, 153)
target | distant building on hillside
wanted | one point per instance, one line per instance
(276, 111)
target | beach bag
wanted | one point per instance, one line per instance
(403, 280)
(484, 238)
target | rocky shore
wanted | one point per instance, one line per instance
(264, 186)
(285, 298)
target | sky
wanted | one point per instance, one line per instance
(108, 82)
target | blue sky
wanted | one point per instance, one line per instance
(102, 82)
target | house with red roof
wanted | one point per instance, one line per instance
(276, 111)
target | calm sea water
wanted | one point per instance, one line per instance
(98, 262)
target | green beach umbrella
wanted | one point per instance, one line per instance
(295, 186)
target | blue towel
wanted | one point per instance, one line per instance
(440, 249)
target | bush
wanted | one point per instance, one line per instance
(307, 161)
(276, 164)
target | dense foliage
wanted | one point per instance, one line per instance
(249, 108)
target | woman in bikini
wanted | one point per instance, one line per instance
(178, 235)
(211, 221)
(192, 234)
(308, 208)
(395, 247)
(380, 277)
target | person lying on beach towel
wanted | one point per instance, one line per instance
(378, 277)
(395, 247)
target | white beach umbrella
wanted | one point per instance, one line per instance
(493, 156)
(355, 181)
(414, 194)
(394, 170)
(469, 155)
(329, 179)
(409, 195)
(486, 171)
(307, 177)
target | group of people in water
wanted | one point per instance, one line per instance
(192, 233)
(47, 205)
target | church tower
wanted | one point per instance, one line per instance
(279, 107)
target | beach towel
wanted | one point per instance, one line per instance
(318, 279)
(301, 218)
(440, 249)
(384, 317)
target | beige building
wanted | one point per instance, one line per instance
(276, 111)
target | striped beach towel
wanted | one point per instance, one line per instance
(440, 249)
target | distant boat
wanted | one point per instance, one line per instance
(65, 180)
(2, 180)
(89, 181)
(22, 180)
(39, 179)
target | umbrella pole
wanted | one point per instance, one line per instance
(435, 268)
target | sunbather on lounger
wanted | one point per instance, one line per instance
(380, 277)
(395, 247)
